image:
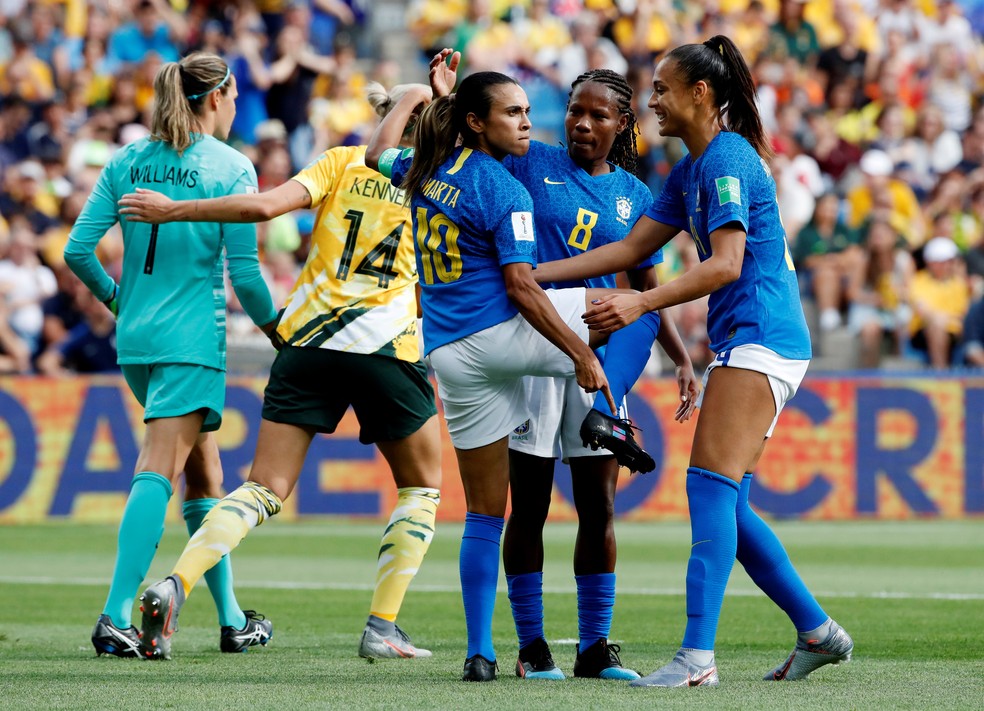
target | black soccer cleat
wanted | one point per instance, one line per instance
(536, 662)
(615, 435)
(478, 668)
(257, 630)
(107, 638)
(601, 661)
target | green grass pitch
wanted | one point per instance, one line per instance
(911, 594)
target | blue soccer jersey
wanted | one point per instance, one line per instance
(470, 220)
(730, 183)
(575, 211)
(172, 294)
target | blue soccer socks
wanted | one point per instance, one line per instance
(478, 567)
(140, 531)
(219, 577)
(712, 499)
(768, 565)
(526, 600)
(595, 601)
(626, 354)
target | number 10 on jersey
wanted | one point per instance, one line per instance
(437, 240)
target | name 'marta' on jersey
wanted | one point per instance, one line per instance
(469, 220)
(356, 292)
(172, 292)
(730, 183)
(575, 211)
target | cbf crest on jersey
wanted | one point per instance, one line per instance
(623, 206)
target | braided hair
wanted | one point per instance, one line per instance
(625, 152)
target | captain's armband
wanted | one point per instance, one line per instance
(389, 157)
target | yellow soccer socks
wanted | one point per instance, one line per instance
(405, 541)
(225, 526)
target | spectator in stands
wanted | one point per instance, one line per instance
(949, 213)
(155, 28)
(645, 32)
(752, 30)
(891, 136)
(846, 58)
(971, 349)
(878, 293)
(900, 202)
(589, 50)
(254, 75)
(90, 347)
(24, 284)
(827, 253)
(15, 356)
(61, 310)
(833, 154)
(793, 37)
(940, 299)
(930, 152)
(951, 87)
(25, 74)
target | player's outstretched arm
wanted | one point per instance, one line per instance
(153, 207)
(609, 313)
(643, 240)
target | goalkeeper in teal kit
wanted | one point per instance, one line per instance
(170, 306)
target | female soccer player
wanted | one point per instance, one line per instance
(171, 325)
(486, 322)
(353, 314)
(586, 196)
(723, 195)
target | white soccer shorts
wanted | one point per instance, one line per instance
(785, 375)
(480, 377)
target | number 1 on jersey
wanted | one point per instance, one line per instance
(151, 249)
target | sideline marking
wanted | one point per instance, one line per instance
(366, 587)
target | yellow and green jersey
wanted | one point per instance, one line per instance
(356, 292)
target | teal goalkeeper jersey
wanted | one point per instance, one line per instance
(172, 295)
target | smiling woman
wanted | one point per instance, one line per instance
(723, 195)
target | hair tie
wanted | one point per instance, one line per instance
(721, 49)
(218, 86)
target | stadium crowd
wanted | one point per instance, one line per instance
(874, 108)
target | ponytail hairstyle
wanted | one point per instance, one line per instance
(180, 90)
(719, 63)
(383, 101)
(445, 119)
(625, 151)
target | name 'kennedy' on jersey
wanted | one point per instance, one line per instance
(377, 189)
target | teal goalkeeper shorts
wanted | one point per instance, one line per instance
(176, 389)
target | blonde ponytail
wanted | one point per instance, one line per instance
(180, 89)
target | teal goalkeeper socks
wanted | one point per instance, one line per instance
(140, 531)
(219, 577)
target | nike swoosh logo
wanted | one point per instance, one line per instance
(123, 638)
(699, 679)
(548, 181)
